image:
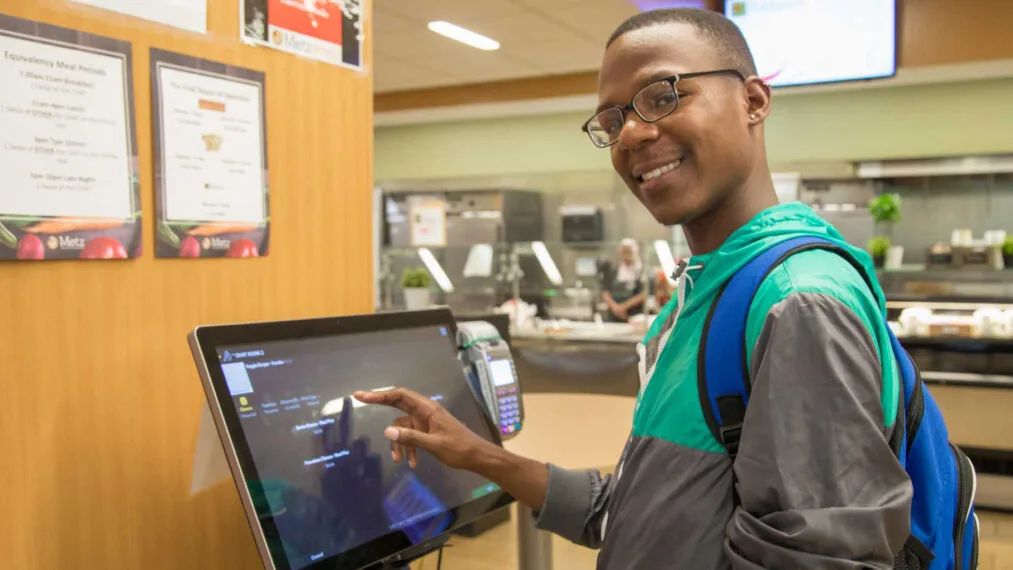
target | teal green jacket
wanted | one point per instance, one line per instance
(815, 483)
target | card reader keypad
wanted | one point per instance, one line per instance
(509, 410)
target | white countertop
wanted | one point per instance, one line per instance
(583, 332)
(578, 337)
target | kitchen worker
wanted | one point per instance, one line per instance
(624, 291)
(815, 483)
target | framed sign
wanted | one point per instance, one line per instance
(190, 15)
(68, 148)
(210, 149)
(428, 224)
(325, 30)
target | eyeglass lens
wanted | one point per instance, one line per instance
(652, 103)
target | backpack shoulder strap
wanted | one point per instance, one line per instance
(722, 370)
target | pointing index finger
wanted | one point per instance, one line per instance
(408, 401)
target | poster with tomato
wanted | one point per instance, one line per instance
(325, 30)
(68, 147)
(210, 151)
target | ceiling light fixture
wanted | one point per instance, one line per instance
(464, 36)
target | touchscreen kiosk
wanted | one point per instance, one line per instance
(311, 464)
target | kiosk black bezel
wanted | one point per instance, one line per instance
(205, 341)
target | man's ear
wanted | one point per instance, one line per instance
(757, 99)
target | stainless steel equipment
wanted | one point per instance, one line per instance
(490, 218)
(397, 253)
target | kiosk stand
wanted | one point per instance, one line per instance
(554, 422)
(403, 560)
(534, 546)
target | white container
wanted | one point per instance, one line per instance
(1007, 322)
(961, 237)
(989, 323)
(417, 299)
(914, 321)
(995, 237)
(894, 257)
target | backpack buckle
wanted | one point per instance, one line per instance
(729, 437)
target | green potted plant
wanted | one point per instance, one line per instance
(878, 247)
(1007, 252)
(415, 282)
(885, 210)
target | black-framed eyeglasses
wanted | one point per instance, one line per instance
(652, 103)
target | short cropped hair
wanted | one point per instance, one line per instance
(721, 32)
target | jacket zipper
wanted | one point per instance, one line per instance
(965, 488)
(661, 346)
(642, 368)
(916, 411)
(677, 276)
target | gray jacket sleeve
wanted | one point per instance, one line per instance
(818, 484)
(575, 505)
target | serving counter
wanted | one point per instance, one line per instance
(971, 380)
(582, 361)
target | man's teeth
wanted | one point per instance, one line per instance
(661, 170)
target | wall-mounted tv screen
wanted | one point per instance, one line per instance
(802, 42)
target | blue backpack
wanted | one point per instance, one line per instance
(944, 529)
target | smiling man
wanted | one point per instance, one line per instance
(815, 483)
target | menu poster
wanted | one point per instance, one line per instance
(325, 30)
(190, 15)
(69, 187)
(210, 151)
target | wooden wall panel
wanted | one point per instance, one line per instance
(101, 401)
(524, 89)
(939, 32)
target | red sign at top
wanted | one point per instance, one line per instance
(320, 19)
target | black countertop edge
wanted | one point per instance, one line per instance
(956, 342)
(963, 379)
(971, 300)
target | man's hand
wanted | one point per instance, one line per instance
(428, 426)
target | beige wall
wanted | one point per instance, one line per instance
(883, 123)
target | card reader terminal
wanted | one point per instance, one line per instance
(490, 368)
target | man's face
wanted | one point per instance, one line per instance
(704, 148)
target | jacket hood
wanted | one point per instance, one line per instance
(766, 229)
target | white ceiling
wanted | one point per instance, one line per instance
(537, 37)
